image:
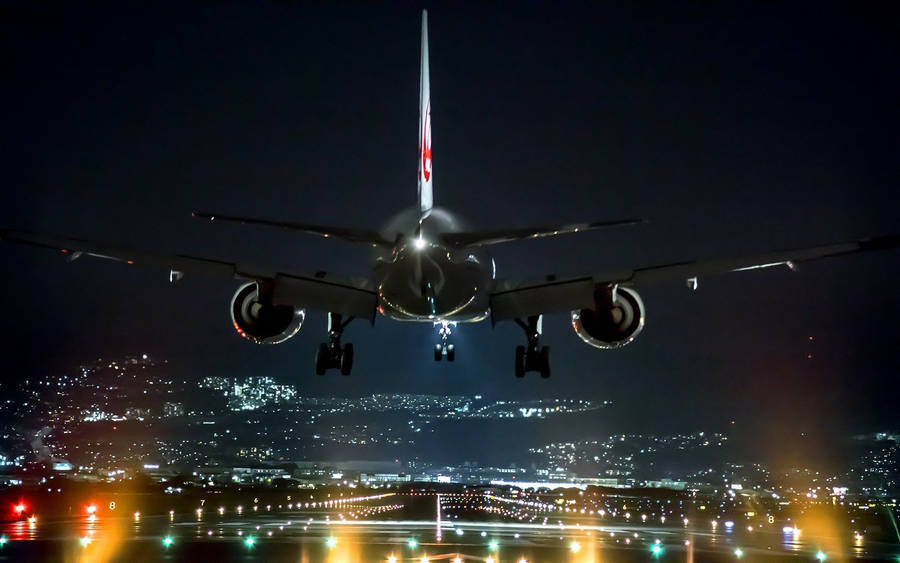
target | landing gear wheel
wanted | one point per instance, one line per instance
(323, 358)
(438, 352)
(451, 353)
(347, 359)
(520, 361)
(545, 362)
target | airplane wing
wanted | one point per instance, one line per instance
(321, 290)
(513, 299)
(477, 238)
(353, 235)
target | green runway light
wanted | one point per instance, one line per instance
(738, 553)
(820, 555)
(493, 545)
(250, 541)
(3, 541)
(167, 541)
(412, 543)
(331, 542)
(656, 550)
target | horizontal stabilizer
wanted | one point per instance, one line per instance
(353, 235)
(482, 238)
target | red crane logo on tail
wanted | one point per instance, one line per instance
(426, 143)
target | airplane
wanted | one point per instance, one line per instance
(428, 270)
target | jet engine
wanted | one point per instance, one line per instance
(260, 323)
(615, 321)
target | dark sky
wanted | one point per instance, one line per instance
(735, 128)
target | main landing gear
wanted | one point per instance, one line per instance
(532, 357)
(332, 354)
(444, 348)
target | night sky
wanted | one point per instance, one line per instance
(733, 129)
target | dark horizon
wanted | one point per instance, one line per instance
(734, 129)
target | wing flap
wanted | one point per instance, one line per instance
(554, 295)
(321, 291)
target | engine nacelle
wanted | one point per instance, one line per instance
(613, 324)
(263, 324)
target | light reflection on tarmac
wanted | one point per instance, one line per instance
(302, 536)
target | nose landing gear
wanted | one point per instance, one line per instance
(532, 357)
(444, 348)
(332, 354)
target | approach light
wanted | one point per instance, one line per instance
(493, 545)
(738, 552)
(412, 543)
(250, 541)
(167, 541)
(574, 547)
(331, 542)
(820, 555)
(656, 550)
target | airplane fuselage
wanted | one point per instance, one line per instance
(426, 280)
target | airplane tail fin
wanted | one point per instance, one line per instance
(426, 199)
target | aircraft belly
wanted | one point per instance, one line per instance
(428, 288)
